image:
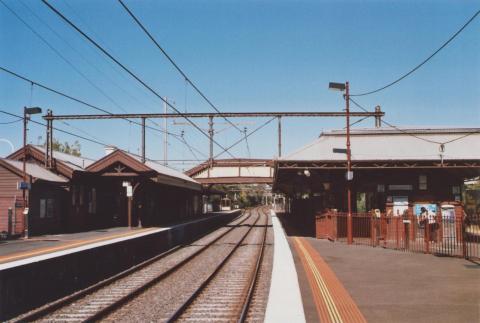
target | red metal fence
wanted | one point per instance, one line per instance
(449, 236)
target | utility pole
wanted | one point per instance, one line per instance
(143, 141)
(378, 118)
(24, 185)
(210, 134)
(279, 137)
(349, 168)
(165, 135)
(24, 170)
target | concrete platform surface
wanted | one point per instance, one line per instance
(24, 248)
(14, 250)
(284, 299)
(394, 286)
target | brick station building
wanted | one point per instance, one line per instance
(78, 194)
(395, 171)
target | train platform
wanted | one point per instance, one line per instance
(284, 300)
(341, 283)
(18, 252)
(21, 249)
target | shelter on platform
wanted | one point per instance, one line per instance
(95, 194)
(46, 201)
(393, 170)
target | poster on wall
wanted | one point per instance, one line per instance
(431, 208)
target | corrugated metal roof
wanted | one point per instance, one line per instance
(76, 163)
(392, 144)
(164, 170)
(36, 171)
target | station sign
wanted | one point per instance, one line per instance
(23, 186)
(349, 175)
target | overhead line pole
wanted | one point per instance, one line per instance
(165, 138)
(279, 137)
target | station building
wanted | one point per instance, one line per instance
(394, 171)
(77, 193)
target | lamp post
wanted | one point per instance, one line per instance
(24, 185)
(344, 87)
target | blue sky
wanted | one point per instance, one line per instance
(246, 56)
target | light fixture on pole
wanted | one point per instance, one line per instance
(24, 186)
(344, 87)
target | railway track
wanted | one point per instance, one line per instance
(227, 263)
(226, 294)
(98, 300)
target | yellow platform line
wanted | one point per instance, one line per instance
(4, 259)
(327, 297)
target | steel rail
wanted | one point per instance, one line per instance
(50, 308)
(207, 281)
(254, 278)
(208, 115)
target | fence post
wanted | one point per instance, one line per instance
(373, 233)
(427, 235)
(397, 232)
(464, 243)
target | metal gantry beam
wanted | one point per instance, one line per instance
(50, 117)
(377, 114)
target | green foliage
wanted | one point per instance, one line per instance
(246, 195)
(67, 148)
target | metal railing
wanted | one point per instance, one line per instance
(449, 236)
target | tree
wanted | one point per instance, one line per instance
(67, 148)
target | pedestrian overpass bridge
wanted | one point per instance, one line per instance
(233, 171)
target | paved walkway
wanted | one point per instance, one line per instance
(341, 283)
(284, 299)
(40, 245)
(21, 249)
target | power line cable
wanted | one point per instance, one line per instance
(11, 122)
(442, 144)
(66, 60)
(114, 67)
(103, 144)
(424, 61)
(83, 57)
(242, 139)
(246, 142)
(187, 79)
(58, 92)
(93, 42)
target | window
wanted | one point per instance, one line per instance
(92, 201)
(422, 182)
(74, 195)
(47, 208)
(81, 195)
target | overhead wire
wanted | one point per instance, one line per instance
(73, 134)
(11, 122)
(423, 62)
(413, 135)
(246, 142)
(242, 139)
(60, 93)
(187, 79)
(84, 58)
(66, 60)
(148, 87)
(113, 66)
